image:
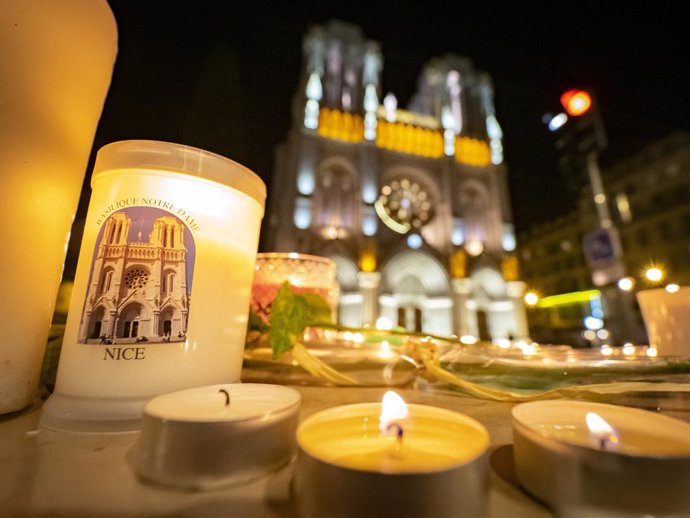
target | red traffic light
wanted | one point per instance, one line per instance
(576, 102)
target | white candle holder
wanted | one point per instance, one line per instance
(162, 285)
(644, 471)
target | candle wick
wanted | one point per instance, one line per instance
(227, 396)
(602, 443)
(399, 432)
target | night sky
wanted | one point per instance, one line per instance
(221, 75)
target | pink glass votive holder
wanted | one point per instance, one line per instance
(305, 274)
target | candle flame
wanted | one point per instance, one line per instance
(600, 432)
(386, 353)
(393, 411)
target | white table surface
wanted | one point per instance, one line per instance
(52, 474)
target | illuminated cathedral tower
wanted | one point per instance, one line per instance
(411, 204)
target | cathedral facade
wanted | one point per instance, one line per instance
(138, 289)
(411, 204)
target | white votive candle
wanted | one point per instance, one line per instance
(163, 283)
(218, 435)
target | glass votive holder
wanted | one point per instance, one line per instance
(305, 273)
(665, 313)
(162, 283)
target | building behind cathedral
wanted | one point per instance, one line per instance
(411, 204)
(647, 194)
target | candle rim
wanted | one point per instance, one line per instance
(523, 425)
(335, 410)
(295, 256)
(170, 157)
(177, 175)
(294, 399)
(374, 410)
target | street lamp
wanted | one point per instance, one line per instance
(626, 283)
(654, 274)
(531, 298)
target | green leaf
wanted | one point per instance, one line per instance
(319, 310)
(291, 314)
(256, 323)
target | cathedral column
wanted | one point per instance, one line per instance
(516, 292)
(369, 288)
(112, 324)
(185, 317)
(463, 316)
(155, 323)
(84, 327)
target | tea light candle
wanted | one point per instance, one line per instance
(217, 435)
(374, 459)
(602, 458)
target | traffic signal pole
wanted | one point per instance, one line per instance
(600, 199)
(624, 324)
(607, 268)
(618, 304)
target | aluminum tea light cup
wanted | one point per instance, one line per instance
(219, 435)
(593, 459)
(356, 460)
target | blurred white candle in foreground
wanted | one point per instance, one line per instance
(56, 61)
(161, 294)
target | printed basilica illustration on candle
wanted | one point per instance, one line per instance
(140, 282)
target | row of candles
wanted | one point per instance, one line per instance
(391, 458)
(362, 460)
(359, 460)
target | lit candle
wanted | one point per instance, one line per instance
(394, 414)
(305, 274)
(219, 435)
(373, 459)
(163, 282)
(602, 460)
(601, 433)
(56, 61)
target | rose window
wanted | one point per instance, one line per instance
(136, 278)
(404, 205)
